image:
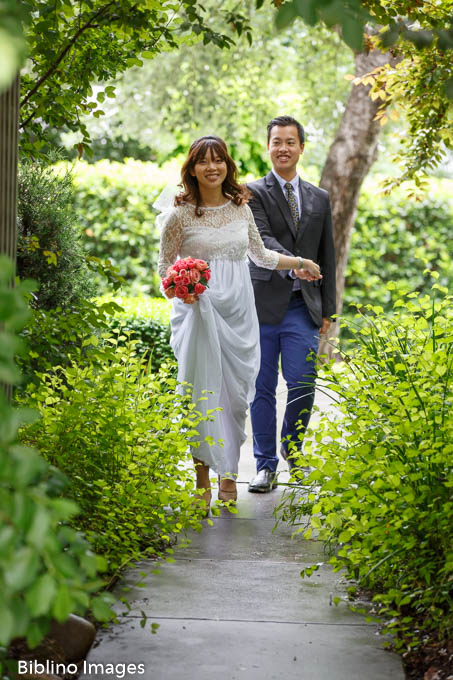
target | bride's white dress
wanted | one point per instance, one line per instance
(216, 340)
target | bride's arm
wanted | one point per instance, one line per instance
(170, 242)
(270, 259)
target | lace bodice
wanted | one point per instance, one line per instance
(226, 232)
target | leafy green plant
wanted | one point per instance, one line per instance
(152, 337)
(380, 492)
(146, 320)
(47, 569)
(49, 246)
(54, 336)
(121, 435)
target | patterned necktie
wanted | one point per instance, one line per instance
(291, 198)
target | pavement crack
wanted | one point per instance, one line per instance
(221, 620)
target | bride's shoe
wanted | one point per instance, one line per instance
(204, 500)
(230, 494)
(203, 485)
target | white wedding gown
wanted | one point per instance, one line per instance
(216, 340)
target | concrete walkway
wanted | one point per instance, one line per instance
(233, 607)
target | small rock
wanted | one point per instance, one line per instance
(76, 635)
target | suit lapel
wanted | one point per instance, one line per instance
(306, 201)
(277, 194)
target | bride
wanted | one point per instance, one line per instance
(216, 340)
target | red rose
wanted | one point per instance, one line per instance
(166, 282)
(199, 288)
(170, 293)
(190, 262)
(183, 271)
(185, 279)
(195, 275)
(181, 291)
(206, 275)
(178, 280)
(171, 271)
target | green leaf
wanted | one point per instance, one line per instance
(352, 32)
(39, 527)
(63, 603)
(6, 625)
(36, 631)
(40, 596)
(315, 522)
(101, 608)
(21, 569)
(286, 15)
(390, 36)
(448, 87)
(307, 10)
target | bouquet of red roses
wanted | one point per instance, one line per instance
(186, 279)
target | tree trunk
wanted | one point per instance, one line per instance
(9, 107)
(8, 169)
(350, 157)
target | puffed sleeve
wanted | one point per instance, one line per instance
(170, 241)
(257, 252)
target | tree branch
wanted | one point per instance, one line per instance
(62, 55)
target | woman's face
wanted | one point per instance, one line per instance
(210, 171)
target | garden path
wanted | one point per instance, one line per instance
(233, 606)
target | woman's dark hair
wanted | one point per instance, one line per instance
(284, 121)
(231, 189)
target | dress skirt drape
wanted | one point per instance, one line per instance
(216, 343)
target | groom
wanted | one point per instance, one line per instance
(294, 218)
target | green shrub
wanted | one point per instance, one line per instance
(53, 337)
(392, 239)
(120, 433)
(380, 493)
(114, 201)
(391, 233)
(49, 244)
(147, 320)
(47, 569)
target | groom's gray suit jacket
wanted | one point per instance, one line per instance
(314, 241)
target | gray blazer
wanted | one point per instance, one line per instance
(314, 241)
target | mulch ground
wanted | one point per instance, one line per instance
(432, 662)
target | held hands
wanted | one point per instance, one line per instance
(310, 271)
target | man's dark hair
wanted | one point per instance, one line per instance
(284, 121)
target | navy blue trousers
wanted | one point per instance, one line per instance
(294, 339)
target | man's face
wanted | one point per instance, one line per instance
(285, 149)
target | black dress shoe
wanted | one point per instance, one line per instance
(290, 459)
(264, 482)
